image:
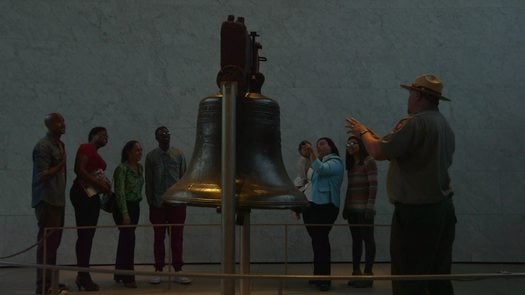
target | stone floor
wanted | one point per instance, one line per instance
(21, 281)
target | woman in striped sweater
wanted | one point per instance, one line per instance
(359, 208)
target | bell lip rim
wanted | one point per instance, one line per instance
(259, 205)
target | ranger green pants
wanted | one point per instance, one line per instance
(421, 243)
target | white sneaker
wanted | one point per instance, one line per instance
(179, 279)
(155, 280)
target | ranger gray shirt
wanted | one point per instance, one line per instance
(48, 152)
(420, 150)
(163, 169)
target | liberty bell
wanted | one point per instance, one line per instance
(261, 179)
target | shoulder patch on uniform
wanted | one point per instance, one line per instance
(401, 124)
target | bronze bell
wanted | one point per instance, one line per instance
(261, 179)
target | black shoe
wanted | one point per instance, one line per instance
(354, 283)
(365, 284)
(131, 284)
(85, 282)
(118, 279)
(324, 286)
(361, 284)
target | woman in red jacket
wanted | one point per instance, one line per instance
(85, 197)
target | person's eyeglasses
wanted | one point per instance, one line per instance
(351, 144)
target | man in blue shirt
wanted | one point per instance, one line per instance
(165, 165)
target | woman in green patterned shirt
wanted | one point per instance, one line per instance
(128, 180)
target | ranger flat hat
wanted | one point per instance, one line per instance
(429, 84)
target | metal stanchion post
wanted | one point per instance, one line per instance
(229, 97)
(44, 261)
(54, 280)
(170, 253)
(281, 283)
(53, 273)
(245, 252)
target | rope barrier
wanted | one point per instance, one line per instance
(21, 251)
(26, 249)
(455, 277)
(170, 225)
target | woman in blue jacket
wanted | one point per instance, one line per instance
(327, 177)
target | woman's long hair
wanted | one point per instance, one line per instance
(126, 149)
(331, 144)
(349, 160)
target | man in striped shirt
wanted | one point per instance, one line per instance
(359, 207)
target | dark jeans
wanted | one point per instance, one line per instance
(421, 243)
(87, 211)
(126, 242)
(47, 216)
(360, 235)
(168, 215)
(320, 214)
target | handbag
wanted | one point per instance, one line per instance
(108, 202)
(92, 191)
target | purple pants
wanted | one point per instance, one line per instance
(168, 215)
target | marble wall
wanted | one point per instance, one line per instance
(134, 65)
